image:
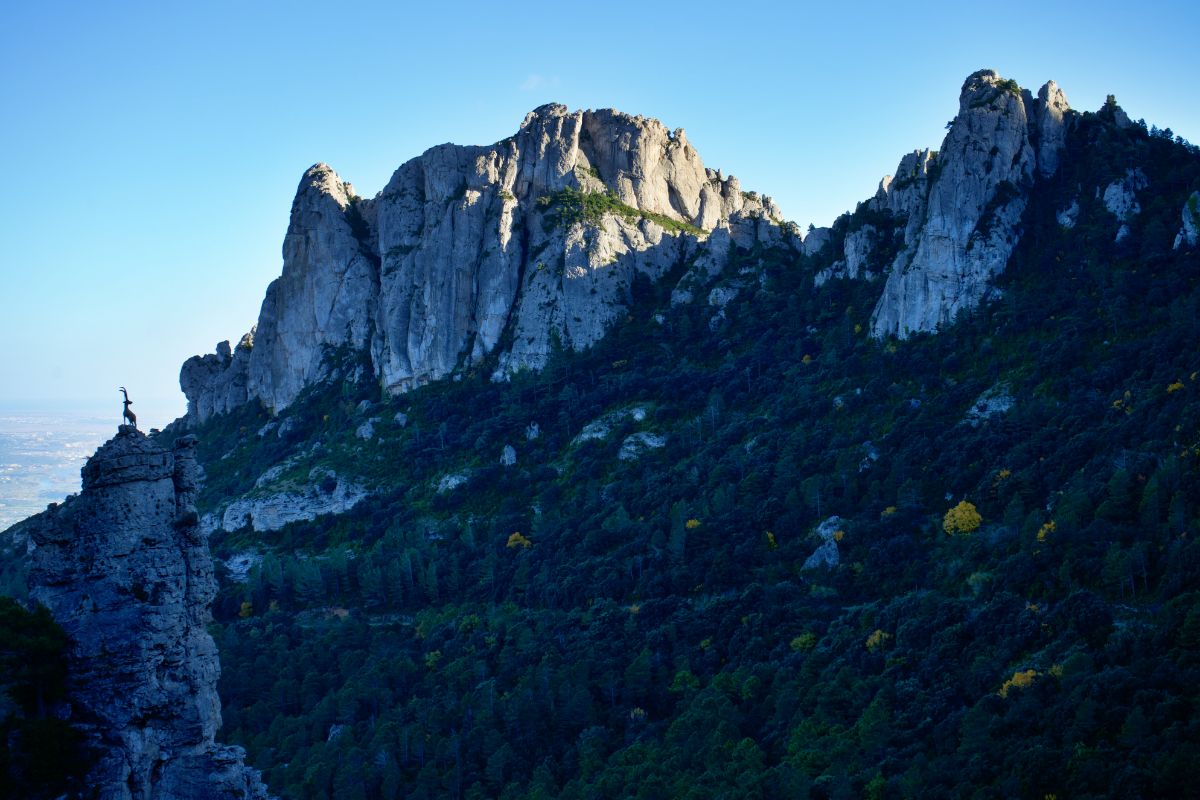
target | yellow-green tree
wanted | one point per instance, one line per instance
(963, 518)
(1021, 679)
(877, 639)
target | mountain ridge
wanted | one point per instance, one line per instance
(540, 235)
(446, 267)
(740, 545)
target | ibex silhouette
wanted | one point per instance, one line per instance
(129, 415)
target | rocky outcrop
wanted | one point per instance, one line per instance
(1189, 234)
(904, 193)
(539, 235)
(218, 382)
(637, 444)
(327, 293)
(856, 258)
(1069, 216)
(992, 402)
(826, 555)
(125, 571)
(1120, 198)
(961, 234)
(601, 427)
(816, 240)
(1049, 121)
(324, 493)
(900, 199)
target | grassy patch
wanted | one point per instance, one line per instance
(569, 206)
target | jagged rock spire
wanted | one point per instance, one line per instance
(961, 233)
(125, 571)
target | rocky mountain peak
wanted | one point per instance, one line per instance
(128, 457)
(325, 296)
(980, 87)
(125, 571)
(321, 182)
(545, 110)
(962, 232)
(1050, 113)
(540, 234)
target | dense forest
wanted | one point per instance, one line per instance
(748, 551)
(41, 755)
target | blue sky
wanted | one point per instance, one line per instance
(153, 149)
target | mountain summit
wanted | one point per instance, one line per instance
(493, 256)
(540, 235)
(961, 233)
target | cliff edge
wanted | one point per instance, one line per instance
(125, 571)
(511, 249)
(962, 232)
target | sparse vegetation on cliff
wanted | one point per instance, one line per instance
(570, 206)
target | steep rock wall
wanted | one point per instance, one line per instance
(961, 233)
(326, 294)
(125, 571)
(467, 242)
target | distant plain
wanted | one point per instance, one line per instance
(41, 454)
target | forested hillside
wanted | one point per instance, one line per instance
(741, 549)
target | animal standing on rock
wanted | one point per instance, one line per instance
(128, 413)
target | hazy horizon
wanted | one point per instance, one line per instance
(41, 453)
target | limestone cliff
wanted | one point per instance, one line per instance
(125, 571)
(960, 233)
(539, 235)
(218, 382)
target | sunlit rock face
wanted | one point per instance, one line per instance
(125, 571)
(326, 295)
(467, 252)
(218, 382)
(962, 232)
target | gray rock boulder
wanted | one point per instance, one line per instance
(992, 402)
(366, 430)
(1069, 216)
(816, 240)
(1120, 197)
(826, 556)
(270, 506)
(125, 570)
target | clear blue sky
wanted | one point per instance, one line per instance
(153, 149)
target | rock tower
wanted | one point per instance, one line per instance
(125, 571)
